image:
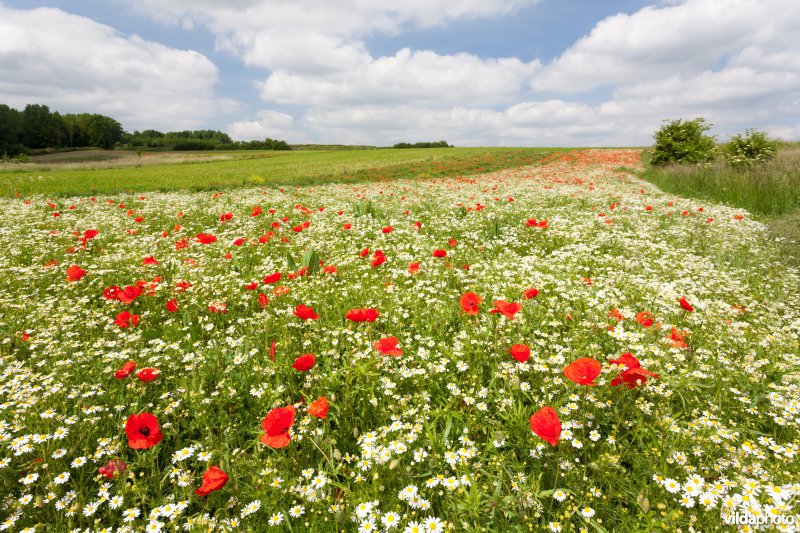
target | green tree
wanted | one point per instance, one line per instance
(683, 142)
(10, 126)
(38, 126)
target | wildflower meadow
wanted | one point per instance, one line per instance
(555, 347)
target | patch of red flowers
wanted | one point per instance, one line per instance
(276, 427)
(583, 371)
(470, 303)
(147, 374)
(520, 352)
(143, 431)
(126, 320)
(213, 479)
(362, 315)
(546, 425)
(304, 363)
(304, 312)
(633, 374)
(205, 238)
(112, 469)
(319, 408)
(507, 309)
(685, 305)
(388, 346)
(125, 370)
(75, 273)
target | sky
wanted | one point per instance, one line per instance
(378, 72)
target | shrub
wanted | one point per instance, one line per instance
(753, 146)
(683, 142)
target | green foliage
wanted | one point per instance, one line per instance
(683, 142)
(436, 144)
(751, 147)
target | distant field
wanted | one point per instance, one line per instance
(81, 173)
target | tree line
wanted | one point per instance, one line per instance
(36, 128)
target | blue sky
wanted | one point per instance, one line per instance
(507, 72)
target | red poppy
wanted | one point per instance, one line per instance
(304, 362)
(452, 243)
(362, 315)
(111, 293)
(305, 313)
(531, 222)
(388, 346)
(181, 244)
(686, 304)
(531, 293)
(378, 260)
(213, 479)
(75, 273)
(126, 320)
(218, 307)
(262, 300)
(272, 347)
(149, 260)
(633, 374)
(583, 371)
(143, 431)
(507, 309)
(224, 217)
(172, 306)
(90, 234)
(387, 229)
(125, 370)
(129, 294)
(364, 252)
(319, 408)
(440, 253)
(413, 268)
(615, 314)
(546, 425)
(205, 238)
(147, 374)
(470, 303)
(272, 278)
(678, 339)
(256, 211)
(645, 319)
(276, 425)
(520, 352)
(112, 469)
(347, 226)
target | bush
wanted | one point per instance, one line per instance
(683, 142)
(751, 147)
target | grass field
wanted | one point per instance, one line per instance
(770, 191)
(215, 170)
(555, 347)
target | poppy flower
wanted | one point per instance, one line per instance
(251, 286)
(452, 243)
(262, 300)
(90, 234)
(143, 431)
(387, 229)
(126, 320)
(224, 217)
(470, 303)
(129, 294)
(388, 346)
(213, 479)
(378, 260)
(111, 293)
(686, 304)
(440, 253)
(346, 226)
(276, 426)
(272, 347)
(272, 278)
(218, 307)
(179, 245)
(113, 468)
(677, 338)
(75, 273)
(304, 362)
(520, 352)
(616, 315)
(364, 252)
(172, 306)
(319, 408)
(583, 371)
(413, 268)
(125, 370)
(531, 293)
(546, 425)
(645, 319)
(147, 374)
(633, 374)
(256, 211)
(206, 238)
(149, 260)
(507, 309)
(362, 315)
(305, 313)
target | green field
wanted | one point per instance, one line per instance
(215, 170)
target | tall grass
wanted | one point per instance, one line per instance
(770, 191)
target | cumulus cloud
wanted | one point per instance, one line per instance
(272, 124)
(74, 64)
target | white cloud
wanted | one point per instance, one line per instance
(272, 124)
(684, 39)
(74, 64)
